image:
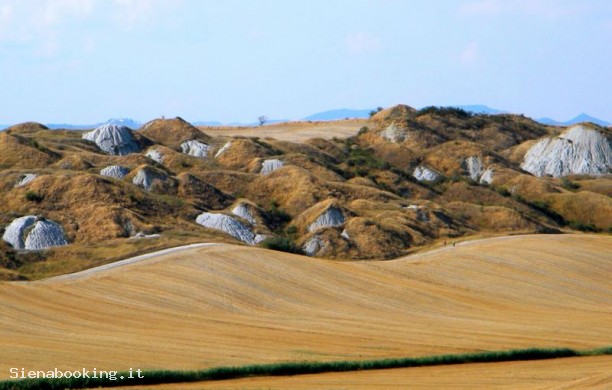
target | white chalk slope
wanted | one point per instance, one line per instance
(475, 168)
(270, 165)
(116, 171)
(243, 210)
(229, 225)
(113, 139)
(32, 233)
(145, 177)
(578, 150)
(423, 173)
(27, 178)
(394, 134)
(155, 155)
(330, 218)
(195, 148)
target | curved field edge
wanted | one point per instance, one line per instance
(143, 255)
(297, 368)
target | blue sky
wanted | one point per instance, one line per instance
(83, 61)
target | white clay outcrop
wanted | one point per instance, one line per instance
(394, 134)
(115, 171)
(477, 171)
(155, 155)
(195, 148)
(229, 225)
(34, 233)
(113, 139)
(243, 210)
(332, 217)
(487, 176)
(578, 150)
(424, 173)
(146, 176)
(27, 178)
(313, 246)
(223, 149)
(474, 167)
(270, 165)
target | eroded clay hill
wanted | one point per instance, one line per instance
(406, 179)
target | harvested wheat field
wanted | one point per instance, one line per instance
(231, 305)
(292, 131)
(570, 373)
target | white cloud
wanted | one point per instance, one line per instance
(362, 42)
(41, 26)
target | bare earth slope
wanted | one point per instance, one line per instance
(230, 305)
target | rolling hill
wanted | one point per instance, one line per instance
(375, 188)
(231, 305)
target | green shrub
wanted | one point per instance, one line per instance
(292, 230)
(503, 191)
(32, 196)
(582, 226)
(297, 368)
(568, 184)
(282, 244)
(277, 217)
(374, 112)
(445, 111)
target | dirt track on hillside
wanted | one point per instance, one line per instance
(231, 305)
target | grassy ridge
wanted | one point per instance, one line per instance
(297, 368)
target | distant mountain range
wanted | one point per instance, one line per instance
(342, 113)
(580, 118)
(330, 115)
(131, 123)
(475, 108)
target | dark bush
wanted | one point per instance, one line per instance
(282, 244)
(582, 226)
(277, 217)
(569, 185)
(503, 191)
(363, 130)
(445, 111)
(32, 196)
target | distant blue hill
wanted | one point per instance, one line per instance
(131, 123)
(207, 123)
(580, 118)
(128, 122)
(548, 121)
(342, 113)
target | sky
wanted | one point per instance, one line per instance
(85, 61)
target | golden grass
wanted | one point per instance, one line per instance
(230, 305)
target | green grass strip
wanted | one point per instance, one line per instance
(298, 368)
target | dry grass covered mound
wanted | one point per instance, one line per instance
(407, 179)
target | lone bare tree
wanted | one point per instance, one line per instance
(262, 119)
